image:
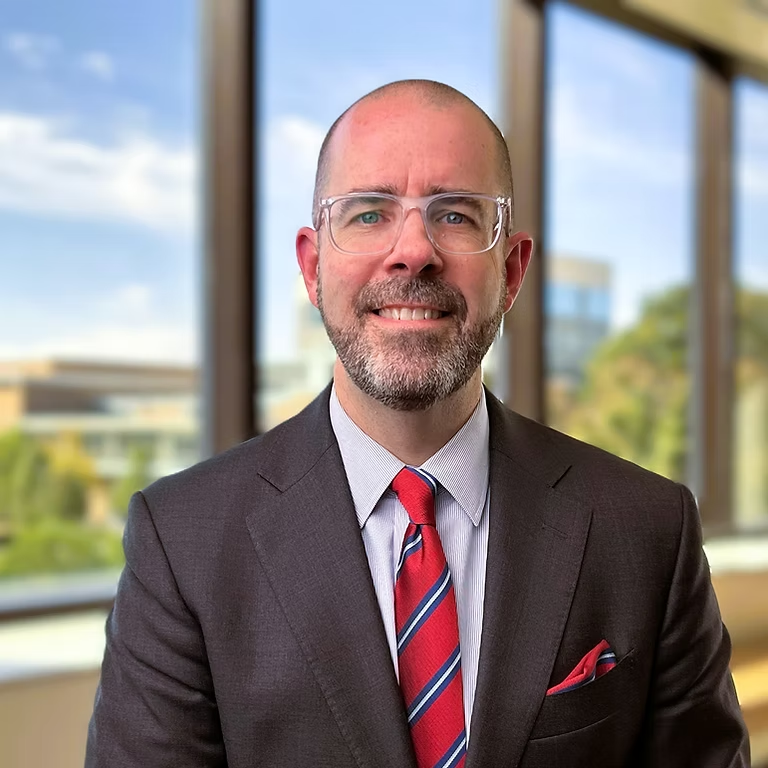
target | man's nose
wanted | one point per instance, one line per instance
(413, 251)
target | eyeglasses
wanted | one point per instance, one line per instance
(369, 223)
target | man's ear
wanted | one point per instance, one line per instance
(308, 258)
(519, 253)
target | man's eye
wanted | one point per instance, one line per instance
(369, 217)
(453, 217)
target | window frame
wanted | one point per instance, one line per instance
(713, 323)
(228, 382)
(230, 360)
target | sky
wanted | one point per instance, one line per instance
(100, 144)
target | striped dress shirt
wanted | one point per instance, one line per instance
(461, 512)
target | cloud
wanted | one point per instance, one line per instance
(98, 64)
(292, 146)
(752, 133)
(146, 343)
(34, 52)
(617, 54)
(129, 300)
(31, 51)
(754, 116)
(129, 322)
(753, 178)
(46, 170)
(590, 147)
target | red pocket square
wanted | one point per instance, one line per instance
(595, 664)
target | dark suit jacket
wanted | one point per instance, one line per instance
(246, 630)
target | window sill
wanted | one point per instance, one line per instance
(737, 554)
(57, 594)
(51, 646)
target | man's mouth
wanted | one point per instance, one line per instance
(410, 313)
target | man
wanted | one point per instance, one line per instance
(407, 573)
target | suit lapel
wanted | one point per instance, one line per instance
(309, 544)
(535, 548)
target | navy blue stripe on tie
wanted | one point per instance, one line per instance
(424, 609)
(436, 685)
(454, 753)
(410, 546)
(426, 477)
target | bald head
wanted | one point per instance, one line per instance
(427, 93)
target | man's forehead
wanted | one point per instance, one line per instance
(398, 113)
(388, 140)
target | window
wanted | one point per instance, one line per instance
(302, 89)
(98, 344)
(751, 274)
(618, 226)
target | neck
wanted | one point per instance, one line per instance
(412, 436)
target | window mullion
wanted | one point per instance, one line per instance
(712, 302)
(524, 122)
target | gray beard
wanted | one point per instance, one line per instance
(411, 371)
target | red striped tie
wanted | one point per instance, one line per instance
(428, 631)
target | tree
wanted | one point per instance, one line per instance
(57, 546)
(72, 473)
(635, 397)
(25, 479)
(40, 480)
(43, 494)
(137, 477)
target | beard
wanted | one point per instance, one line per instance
(412, 369)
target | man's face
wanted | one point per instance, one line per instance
(410, 326)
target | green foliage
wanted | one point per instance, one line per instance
(635, 397)
(752, 317)
(59, 546)
(135, 479)
(40, 482)
(43, 501)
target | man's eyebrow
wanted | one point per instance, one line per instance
(389, 189)
(379, 189)
(439, 190)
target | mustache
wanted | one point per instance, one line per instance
(417, 290)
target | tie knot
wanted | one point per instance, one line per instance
(416, 490)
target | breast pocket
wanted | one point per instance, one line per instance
(617, 691)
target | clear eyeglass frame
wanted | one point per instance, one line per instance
(408, 204)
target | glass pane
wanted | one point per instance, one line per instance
(751, 230)
(619, 236)
(302, 89)
(98, 382)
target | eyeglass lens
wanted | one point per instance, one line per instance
(372, 224)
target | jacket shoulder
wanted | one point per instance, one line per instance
(277, 457)
(574, 466)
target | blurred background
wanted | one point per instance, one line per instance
(156, 160)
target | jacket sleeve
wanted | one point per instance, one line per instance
(694, 715)
(155, 703)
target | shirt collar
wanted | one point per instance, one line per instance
(460, 466)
